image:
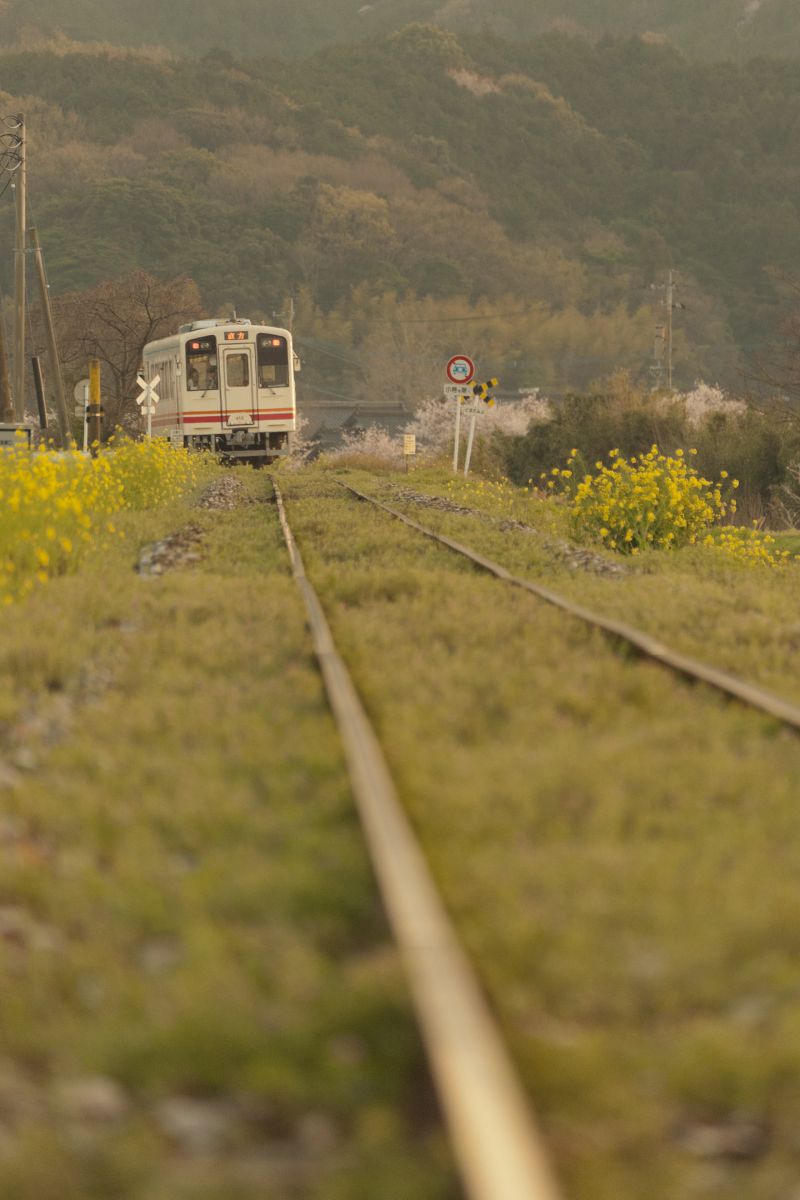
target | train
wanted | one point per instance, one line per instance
(227, 386)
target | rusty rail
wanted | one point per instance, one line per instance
(650, 647)
(496, 1143)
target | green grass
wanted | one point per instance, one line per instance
(188, 909)
(702, 602)
(615, 844)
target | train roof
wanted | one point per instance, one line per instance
(207, 325)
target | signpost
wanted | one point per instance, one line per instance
(409, 447)
(81, 394)
(480, 393)
(148, 399)
(460, 371)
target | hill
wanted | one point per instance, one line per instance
(714, 29)
(541, 187)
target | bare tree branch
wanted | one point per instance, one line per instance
(113, 322)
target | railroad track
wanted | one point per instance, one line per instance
(497, 1145)
(496, 1142)
(693, 669)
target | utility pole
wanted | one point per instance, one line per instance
(52, 348)
(671, 304)
(6, 401)
(657, 368)
(288, 317)
(19, 274)
(670, 298)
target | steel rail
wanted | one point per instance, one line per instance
(691, 668)
(496, 1143)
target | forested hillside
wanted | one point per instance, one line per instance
(540, 187)
(711, 29)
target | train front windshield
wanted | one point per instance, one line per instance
(273, 360)
(201, 364)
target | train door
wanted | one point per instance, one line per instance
(238, 386)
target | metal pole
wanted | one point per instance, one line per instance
(6, 401)
(52, 348)
(458, 434)
(469, 443)
(19, 277)
(94, 405)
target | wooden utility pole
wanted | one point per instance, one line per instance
(6, 401)
(20, 189)
(38, 387)
(670, 302)
(52, 348)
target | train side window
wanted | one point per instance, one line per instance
(273, 361)
(237, 370)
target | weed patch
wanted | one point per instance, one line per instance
(200, 998)
(610, 840)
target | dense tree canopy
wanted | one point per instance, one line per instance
(713, 28)
(538, 188)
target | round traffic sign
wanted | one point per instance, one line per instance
(460, 369)
(81, 391)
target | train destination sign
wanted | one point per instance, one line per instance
(460, 369)
(236, 335)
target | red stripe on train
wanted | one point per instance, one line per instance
(211, 419)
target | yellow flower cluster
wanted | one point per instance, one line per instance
(655, 500)
(748, 546)
(55, 506)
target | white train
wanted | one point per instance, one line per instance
(226, 386)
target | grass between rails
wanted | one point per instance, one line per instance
(700, 601)
(615, 846)
(199, 997)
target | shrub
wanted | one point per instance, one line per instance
(658, 501)
(756, 446)
(57, 507)
(621, 417)
(753, 446)
(372, 449)
(652, 501)
(434, 421)
(706, 400)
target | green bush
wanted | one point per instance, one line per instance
(753, 446)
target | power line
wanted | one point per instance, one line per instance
(452, 320)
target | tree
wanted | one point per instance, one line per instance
(113, 322)
(778, 366)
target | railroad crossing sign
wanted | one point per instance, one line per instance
(481, 400)
(481, 392)
(460, 369)
(148, 398)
